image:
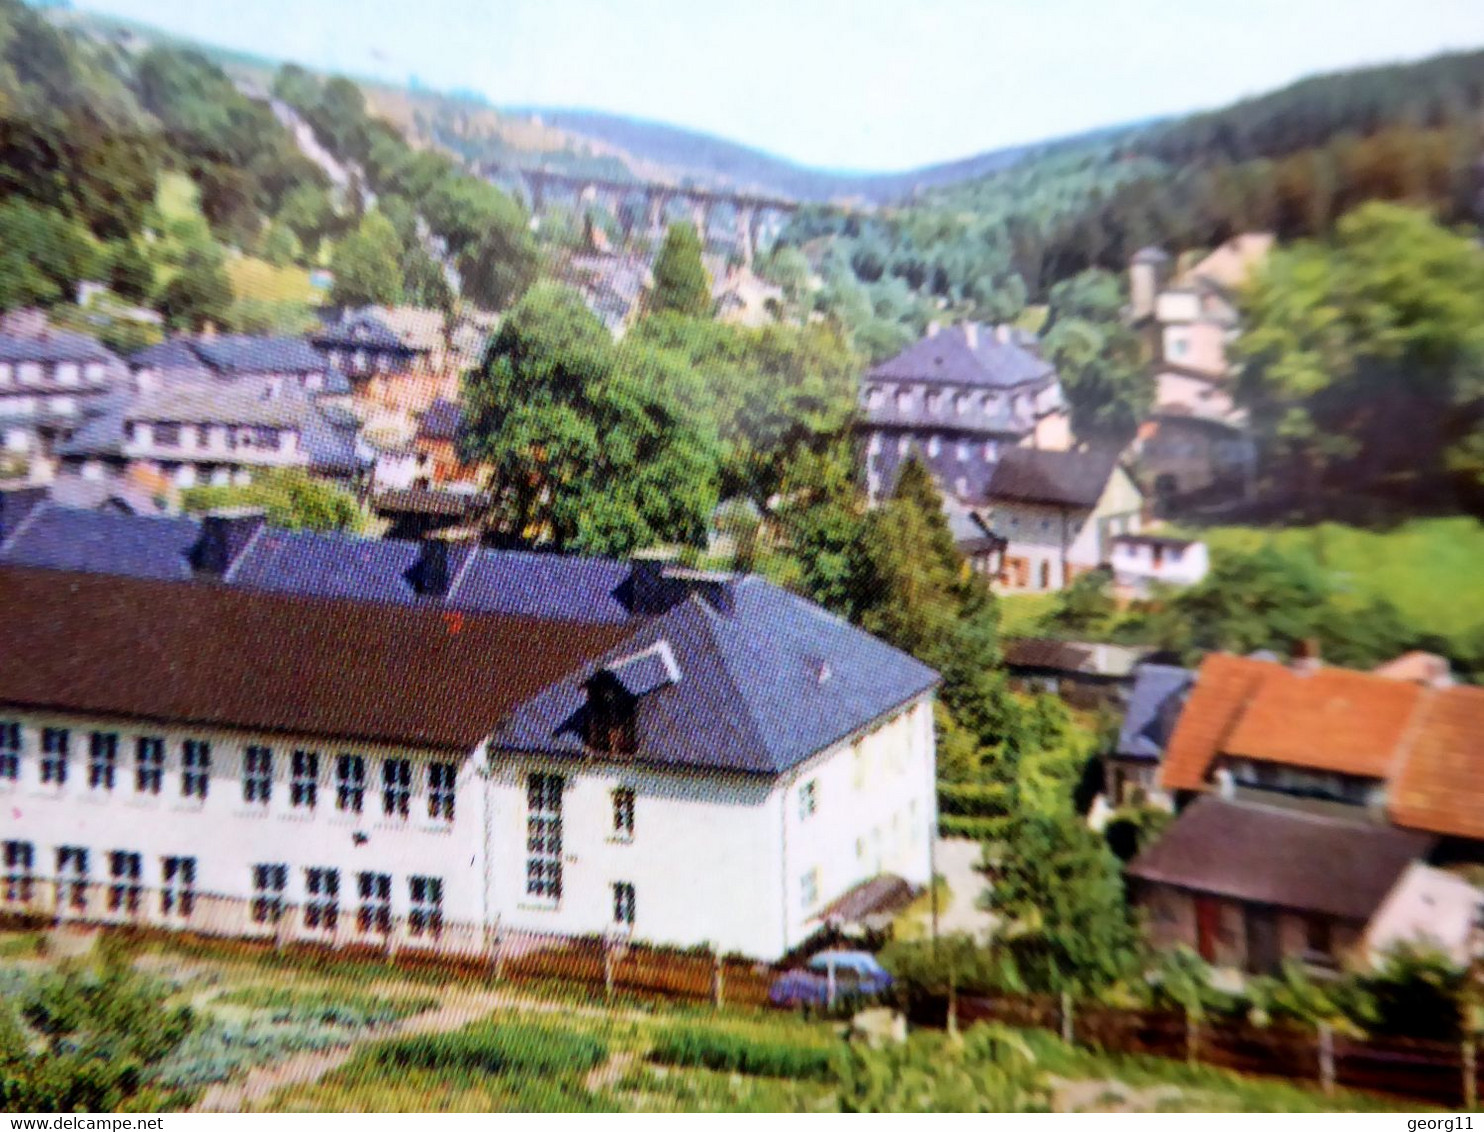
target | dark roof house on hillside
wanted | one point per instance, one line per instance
(1059, 513)
(50, 381)
(246, 359)
(955, 400)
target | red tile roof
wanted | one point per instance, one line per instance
(1223, 686)
(1440, 785)
(1332, 719)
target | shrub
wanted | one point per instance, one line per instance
(348, 1010)
(493, 1048)
(738, 1053)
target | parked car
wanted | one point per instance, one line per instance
(830, 978)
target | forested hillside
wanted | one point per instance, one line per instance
(1291, 162)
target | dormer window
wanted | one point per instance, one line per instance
(611, 726)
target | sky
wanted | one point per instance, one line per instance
(841, 84)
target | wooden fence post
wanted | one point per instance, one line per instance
(1192, 1036)
(607, 970)
(952, 1007)
(1067, 1022)
(718, 979)
(1470, 1075)
(1327, 1058)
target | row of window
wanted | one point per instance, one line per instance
(62, 373)
(936, 401)
(373, 900)
(123, 871)
(170, 434)
(124, 889)
(964, 451)
(350, 782)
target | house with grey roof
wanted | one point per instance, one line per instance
(359, 344)
(195, 433)
(435, 748)
(50, 380)
(955, 401)
(1059, 513)
(249, 361)
(1154, 705)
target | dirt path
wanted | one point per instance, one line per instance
(611, 1072)
(306, 1068)
(459, 1008)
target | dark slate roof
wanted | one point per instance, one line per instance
(442, 420)
(355, 330)
(171, 354)
(646, 671)
(1153, 708)
(325, 564)
(766, 679)
(958, 356)
(69, 538)
(1032, 475)
(216, 655)
(53, 346)
(1082, 658)
(1279, 856)
(246, 353)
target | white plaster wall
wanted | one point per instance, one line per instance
(227, 835)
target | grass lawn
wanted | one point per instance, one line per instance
(260, 281)
(1431, 569)
(176, 197)
(1020, 614)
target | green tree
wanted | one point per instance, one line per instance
(131, 275)
(83, 1039)
(496, 270)
(366, 265)
(199, 292)
(584, 457)
(1064, 922)
(290, 497)
(680, 281)
(43, 255)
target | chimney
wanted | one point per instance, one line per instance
(225, 534)
(933, 328)
(16, 503)
(439, 563)
(1306, 656)
(971, 334)
(1002, 334)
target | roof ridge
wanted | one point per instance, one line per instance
(710, 618)
(1405, 745)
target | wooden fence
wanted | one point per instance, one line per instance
(1441, 1073)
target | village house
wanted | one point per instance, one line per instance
(1086, 674)
(50, 380)
(1142, 561)
(195, 434)
(1310, 793)
(1196, 437)
(431, 746)
(247, 363)
(437, 441)
(1058, 513)
(1131, 768)
(956, 401)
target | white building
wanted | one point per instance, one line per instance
(1058, 513)
(1140, 561)
(712, 765)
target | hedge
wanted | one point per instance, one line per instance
(736, 1053)
(974, 800)
(492, 1048)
